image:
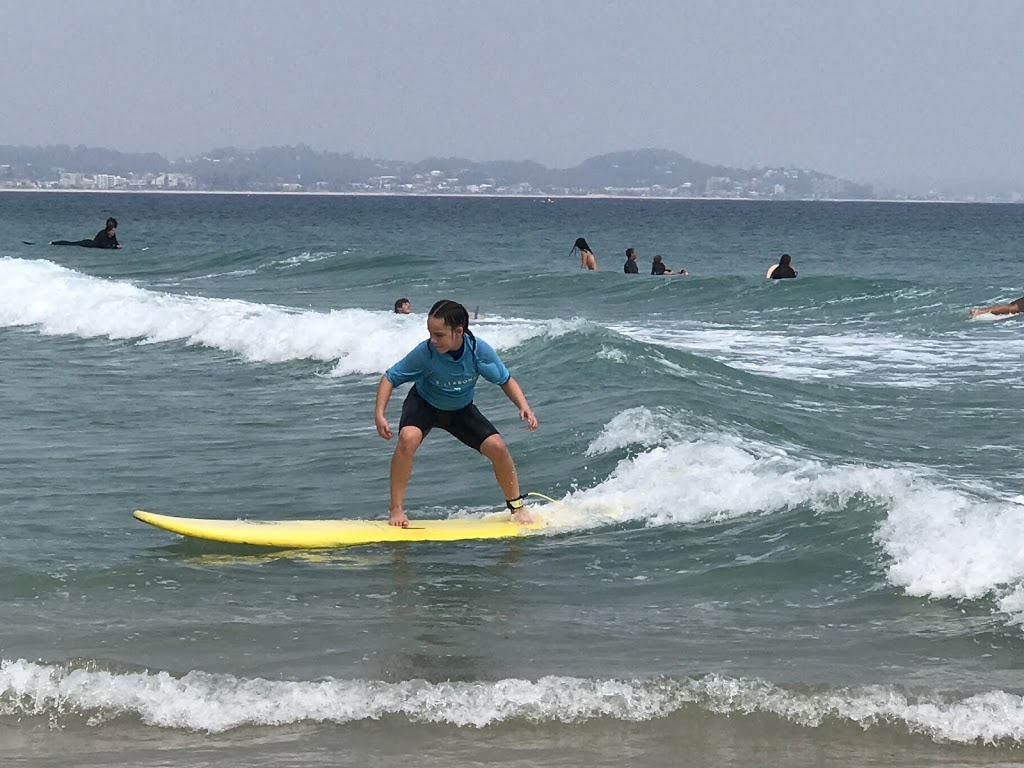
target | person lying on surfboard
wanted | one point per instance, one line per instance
(443, 371)
(105, 238)
(1014, 307)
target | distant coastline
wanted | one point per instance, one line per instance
(652, 173)
(494, 196)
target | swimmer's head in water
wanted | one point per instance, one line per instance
(111, 223)
(402, 306)
(657, 259)
(785, 260)
(631, 253)
(581, 245)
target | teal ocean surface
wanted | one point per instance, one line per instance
(791, 521)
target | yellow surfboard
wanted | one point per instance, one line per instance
(325, 534)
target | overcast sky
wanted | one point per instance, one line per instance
(865, 89)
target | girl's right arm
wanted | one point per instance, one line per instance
(384, 390)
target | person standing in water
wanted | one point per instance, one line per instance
(658, 268)
(630, 267)
(587, 260)
(783, 270)
(105, 238)
(444, 370)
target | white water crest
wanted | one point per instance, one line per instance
(61, 301)
(214, 703)
(871, 359)
(938, 541)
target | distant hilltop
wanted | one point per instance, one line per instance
(635, 173)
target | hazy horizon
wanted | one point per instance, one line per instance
(868, 92)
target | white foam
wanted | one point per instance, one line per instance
(306, 257)
(215, 703)
(870, 358)
(290, 262)
(710, 477)
(614, 355)
(201, 278)
(939, 541)
(945, 542)
(637, 426)
(60, 301)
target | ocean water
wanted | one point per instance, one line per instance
(790, 527)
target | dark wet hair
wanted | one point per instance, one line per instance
(454, 316)
(400, 302)
(657, 259)
(581, 245)
(785, 260)
(630, 251)
(111, 223)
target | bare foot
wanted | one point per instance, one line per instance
(974, 313)
(397, 517)
(524, 516)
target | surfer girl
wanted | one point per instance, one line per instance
(587, 260)
(443, 371)
(105, 238)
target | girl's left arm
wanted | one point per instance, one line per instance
(514, 393)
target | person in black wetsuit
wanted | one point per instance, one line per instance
(105, 238)
(630, 267)
(658, 268)
(784, 270)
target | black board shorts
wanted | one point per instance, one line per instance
(467, 424)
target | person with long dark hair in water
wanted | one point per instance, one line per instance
(105, 238)
(587, 260)
(444, 370)
(783, 269)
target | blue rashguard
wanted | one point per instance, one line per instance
(442, 380)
